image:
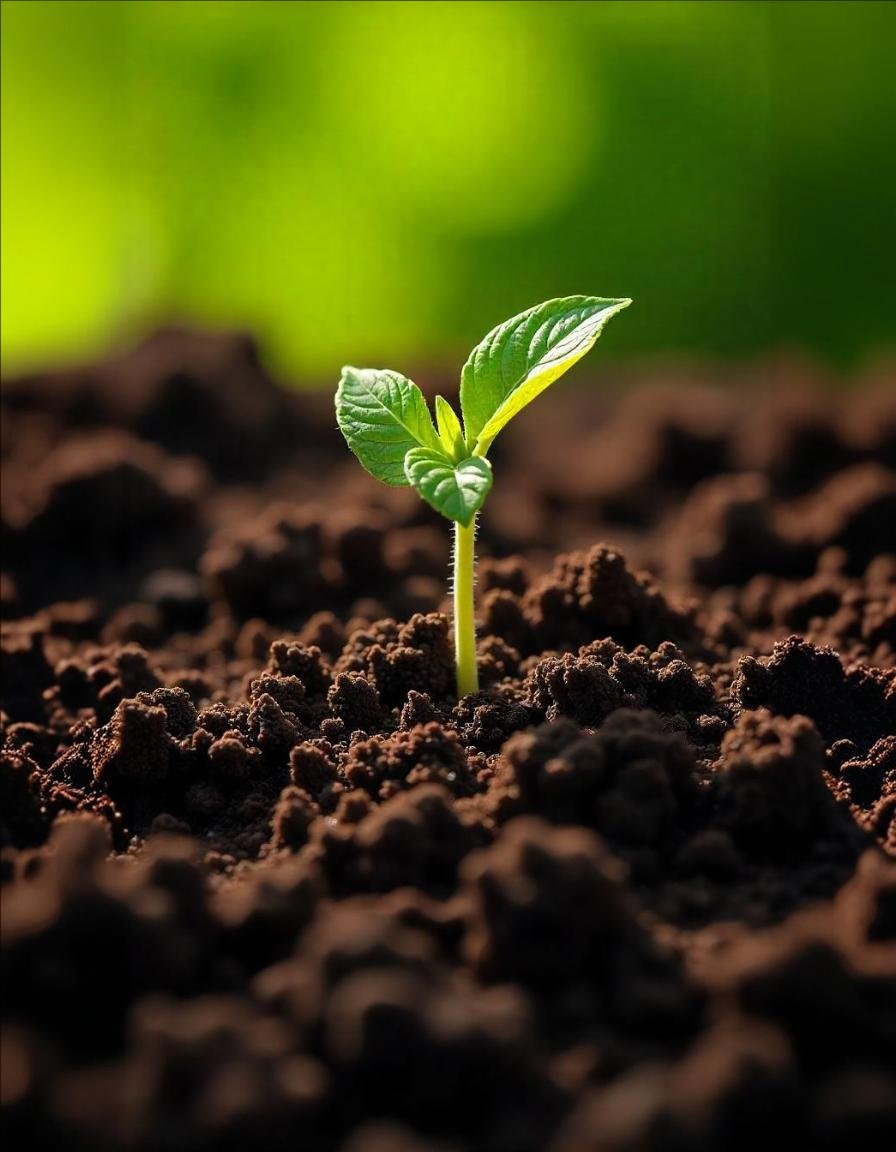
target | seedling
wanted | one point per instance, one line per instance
(386, 423)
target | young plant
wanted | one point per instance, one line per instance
(386, 423)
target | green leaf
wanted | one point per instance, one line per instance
(458, 491)
(450, 432)
(382, 415)
(523, 356)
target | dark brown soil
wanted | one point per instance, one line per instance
(267, 886)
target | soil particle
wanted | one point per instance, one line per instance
(311, 769)
(633, 781)
(417, 838)
(772, 795)
(355, 701)
(595, 594)
(532, 887)
(133, 745)
(428, 753)
(305, 663)
(855, 703)
(486, 719)
(273, 568)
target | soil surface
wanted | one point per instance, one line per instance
(267, 886)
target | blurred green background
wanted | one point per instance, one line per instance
(383, 182)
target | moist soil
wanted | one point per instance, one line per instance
(267, 885)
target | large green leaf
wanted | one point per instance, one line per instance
(521, 357)
(382, 415)
(458, 491)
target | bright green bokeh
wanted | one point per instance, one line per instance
(382, 182)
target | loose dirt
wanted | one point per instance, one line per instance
(267, 886)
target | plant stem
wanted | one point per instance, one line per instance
(464, 609)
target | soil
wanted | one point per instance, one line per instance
(267, 886)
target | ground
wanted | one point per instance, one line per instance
(267, 885)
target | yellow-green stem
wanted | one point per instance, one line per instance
(464, 608)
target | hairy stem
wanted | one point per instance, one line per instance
(464, 609)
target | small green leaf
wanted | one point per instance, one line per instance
(521, 357)
(382, 415)
(450, 432)
(458, 491)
